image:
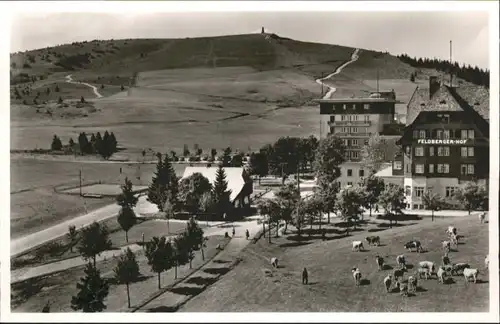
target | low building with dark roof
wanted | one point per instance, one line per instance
(446, 141)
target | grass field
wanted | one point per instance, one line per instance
(59, 249)
(331, 287)
(33, 294)
(34, 203)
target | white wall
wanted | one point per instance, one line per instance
(355, 178)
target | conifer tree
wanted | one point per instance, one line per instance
(220, 193)
(92, 291)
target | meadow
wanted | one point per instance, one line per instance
(331, 288)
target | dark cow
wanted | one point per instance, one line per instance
(414, 245)
(373, 240)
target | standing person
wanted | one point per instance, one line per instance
(234, 231)
(247, 234)
(376, 208)
(305, 277)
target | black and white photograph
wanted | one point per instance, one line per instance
(326, 159)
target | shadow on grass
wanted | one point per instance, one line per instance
(480, 281)
(221, 261)
(409, 266)
(294, 244)
(26, 289)
(461, 243)
(201, 281)
(141, 278)
(387, 267)
(388, 225)
(374, 230)
(163, 309)
(188, 291)
(364, 282)
(421, 289)
(394, 290)
(349, 225)
(449, 281)
(217, 271)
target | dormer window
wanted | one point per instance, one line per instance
(422, 104)
(442, 102)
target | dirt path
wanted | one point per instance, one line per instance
(96, 92)
(354, 58)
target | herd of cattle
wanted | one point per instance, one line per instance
(425, 270)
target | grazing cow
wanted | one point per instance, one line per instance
(357, 246)
(412, 284)
(380, 262)
(458, 268)
(398, 273)
(487, 262)
(454, 240)
(388, 283)
(413, 245)
(426, 273)
(373, 240)
(451, 230)
(429, 265)
(445, 259)
(403, 288)
(470, 273)
(401, 261)
(441, 274)
(356, 274)
(482, 216)
(448, 269)
(274, 262)
(446, 245)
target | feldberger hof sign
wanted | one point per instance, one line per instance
(442, 141)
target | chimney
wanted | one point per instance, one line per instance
(433, 85)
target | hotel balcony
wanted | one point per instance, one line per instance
(341, 134)
(366, 123)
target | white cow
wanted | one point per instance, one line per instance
(357, 246)
(388, 282)
(482, 216)
(274, 262)
(356, 274)
(470, 273)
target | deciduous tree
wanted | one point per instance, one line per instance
(191, 189)
(329, 156)
(126, 219)
(350, 205)
(259, 164)
(392, 200)
(94, 240)
(127, 270)
(373, 186)
(432, 201)
(159, 252)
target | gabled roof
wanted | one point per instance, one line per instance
(234, 177)
(476, 97)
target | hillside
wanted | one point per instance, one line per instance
(124, 58)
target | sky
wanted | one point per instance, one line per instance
(421, 34)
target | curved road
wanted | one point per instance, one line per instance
(94, 88)
(354, 57)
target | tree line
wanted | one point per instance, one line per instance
(105, 145)
(471, 74)
(162, 254)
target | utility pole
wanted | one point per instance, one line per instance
(80, 176)
(322, 74)
(377, 82)
(451, 68)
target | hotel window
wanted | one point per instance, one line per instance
(463, 134)
(419, 191)
(355, 117)
(408, 191)
(345, 129)
(349, 183)
(354, 142)
(344, 117)
(419, 168)
(431, 150)
(450, 191)
(419, 151)
(415, 134)
(470, 168)
(354, 129)
(421, 134)
(443, 168)
(366, 106)
(471, 134)
(354, 154)
(361, 173)
(407, 150)
(366, 142)
(344, 106)
(446, 134)
(467, 151)
(349, 172)
(439, 134)
(398, 165)
(431, 168)
(443, 151)
(367, 118)
(408, 168)
(470, 151)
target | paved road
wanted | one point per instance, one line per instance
(28, 242)
(30, 272)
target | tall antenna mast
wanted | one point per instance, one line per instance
(377, 81)
(451, 68)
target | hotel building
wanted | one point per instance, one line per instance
(446, 141)
(355, 120)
